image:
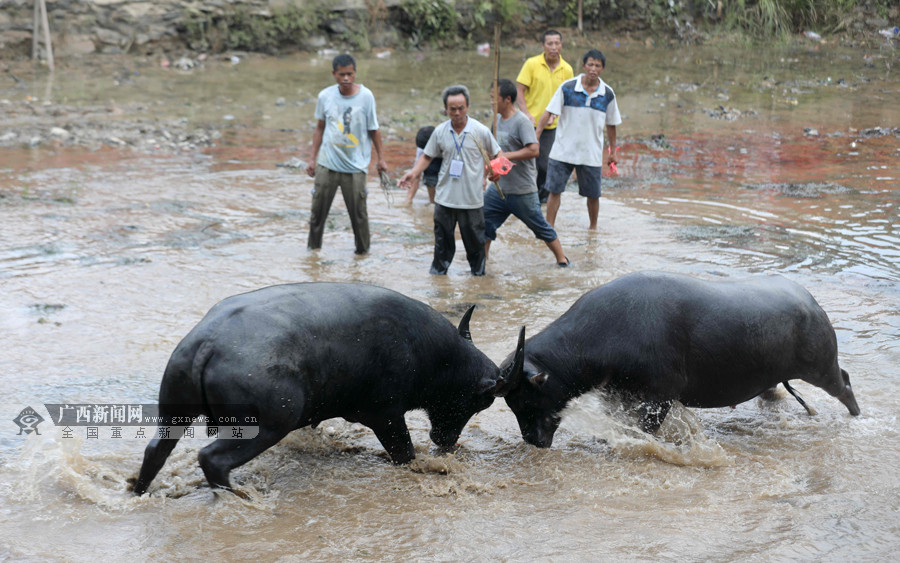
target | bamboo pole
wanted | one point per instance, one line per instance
(47, 43)
(496, 87)
(34, 29)
(496, 102)
(40, 13)
(581, 16)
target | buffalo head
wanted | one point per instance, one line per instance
(535, 402)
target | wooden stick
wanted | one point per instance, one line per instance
(34, 29)
(580, 16)
(496, 88)
(45, 23)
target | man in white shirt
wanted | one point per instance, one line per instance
(459, 192)
(584, 106)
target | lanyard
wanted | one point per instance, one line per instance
(460, 144)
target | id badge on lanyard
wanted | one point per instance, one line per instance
(456, 165)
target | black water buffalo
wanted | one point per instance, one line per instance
(297, 354)
(657, 337)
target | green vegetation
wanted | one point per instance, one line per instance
(438, 21)
(447, 23)
(427, 20)
(765, 18)
(239, 28)
(757, 18)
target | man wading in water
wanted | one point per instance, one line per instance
(519, 143)
(459, 194)
(584, 105)
(346, 130)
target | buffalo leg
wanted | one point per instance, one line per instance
(219, 458)
(652, 414)
(155, 456)
(394, 436)
(158, 449)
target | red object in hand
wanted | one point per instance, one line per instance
(613, 167)
(501, 165)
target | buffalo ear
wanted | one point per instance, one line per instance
(538, 379)
(464, 324)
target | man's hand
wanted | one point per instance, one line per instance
(407, 180)
(382, 165)
(311, 169)
(491, 175)
(546, 119)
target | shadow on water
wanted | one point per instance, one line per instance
(110, 256)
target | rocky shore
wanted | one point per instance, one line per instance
(33, 123)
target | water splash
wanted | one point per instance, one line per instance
(680, 440)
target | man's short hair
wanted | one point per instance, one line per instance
(507, 89)
(548, 33)
(455, 90)
(343, 60)
(594, 54)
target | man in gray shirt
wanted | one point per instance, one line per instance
(461, 142)
(520, 145)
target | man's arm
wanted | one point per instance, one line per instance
(521, 89)
(375, 134)
(546, 119)
(317, 144)
(421, 164)
(531, 150)
(611, 135)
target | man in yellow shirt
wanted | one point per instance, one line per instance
(538, 80)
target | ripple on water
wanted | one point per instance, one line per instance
(805, 190)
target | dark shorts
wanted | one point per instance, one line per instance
(430, 176)
(526, 207)
(588, 178)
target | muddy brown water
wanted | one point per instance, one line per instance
(109, 257)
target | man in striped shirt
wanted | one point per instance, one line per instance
(584, 106)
